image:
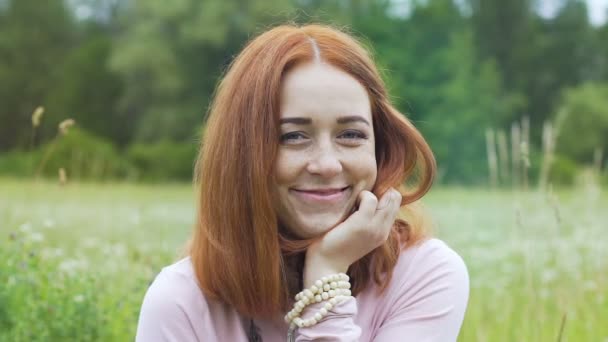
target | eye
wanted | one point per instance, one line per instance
(292, 137)
(352, 135)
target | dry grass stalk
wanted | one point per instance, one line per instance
(62, 130)
(561, 327)
(492, 162)
(525, 150)
(597, 160)
(65, 125)
(554, 203)
(36, 118)
(515, 151)
(503, 157)
(548, 154)
(63, 178)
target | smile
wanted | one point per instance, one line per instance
(321, 196)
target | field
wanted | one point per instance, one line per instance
(76, 260)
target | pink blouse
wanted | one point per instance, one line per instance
(425, 301)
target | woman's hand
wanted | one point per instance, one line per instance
(366, 229)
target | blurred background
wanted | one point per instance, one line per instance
(102, 103)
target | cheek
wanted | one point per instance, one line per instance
(364, 169)
(282, 169)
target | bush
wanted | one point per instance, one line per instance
(19, 163)
(563, 171)
(81, 154)
(164, 160)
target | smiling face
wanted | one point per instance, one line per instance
(326, 155)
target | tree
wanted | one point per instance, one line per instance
(170, 54)
(563, 59)
(437, 79)
(35, 38)
(585, 126)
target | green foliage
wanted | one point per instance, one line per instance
(143, 72)
(83, 155)
(171, 54)
(35, 38)
(86, 156)
(17, 163)
(531, 258)
(43, 300)
(471, 99)
(438, 81)
(563, 171)
(49, 294)
(88, 91)
(163, 160)
(585, 127)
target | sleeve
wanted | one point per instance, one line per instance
(431, 299)
(163, 317)
(337, 326)
(426, 303)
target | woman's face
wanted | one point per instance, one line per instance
(326, 155)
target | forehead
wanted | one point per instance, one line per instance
(322, 91)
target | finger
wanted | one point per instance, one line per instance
(386, 216)
(396, 203)
(368, 203)
(386, 199)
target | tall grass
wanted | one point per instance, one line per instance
(77, 259)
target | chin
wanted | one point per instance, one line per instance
(311, 227)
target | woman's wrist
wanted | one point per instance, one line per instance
(317, 267)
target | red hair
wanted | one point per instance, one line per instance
(239, 253)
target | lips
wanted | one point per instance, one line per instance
(321, 195)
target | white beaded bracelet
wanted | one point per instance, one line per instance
(333, 289)
(317, 317)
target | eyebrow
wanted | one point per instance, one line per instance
(308, 121)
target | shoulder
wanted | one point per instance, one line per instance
(433, 273)
(427, 296)
(172, 305)
(175, 285)
(431, 255)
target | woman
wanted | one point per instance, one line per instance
(297, 180)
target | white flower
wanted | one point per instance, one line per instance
(26, 227)
(48, 223)
(37, 237)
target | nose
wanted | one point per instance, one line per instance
(325, 163)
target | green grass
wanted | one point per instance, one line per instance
(76, 260)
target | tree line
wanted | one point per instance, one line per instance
(137, 77)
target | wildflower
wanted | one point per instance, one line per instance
(25, 228)
(48, 223)
(36, 237)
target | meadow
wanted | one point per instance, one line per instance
(76, 259)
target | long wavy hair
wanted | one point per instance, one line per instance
(240, 253)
